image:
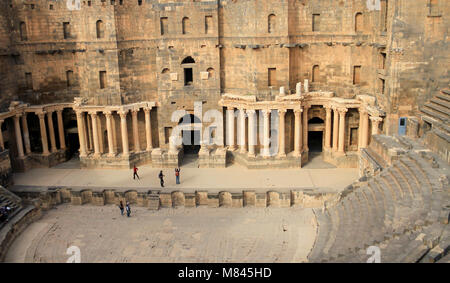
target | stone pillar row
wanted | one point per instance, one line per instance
(23, 137)
(252, 131)
(334, 131)
(93, 130)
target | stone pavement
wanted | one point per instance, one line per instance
(168, 235)
(231, 179)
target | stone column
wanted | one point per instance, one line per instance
(2, 143)
(108, 115)
(124, 130)
(298, 132)
(100, 134)
(81, 133)
(266, 134)
(26, 134)
(95, 134)
(137, 145)
(305, 128)
(18, 136)
(360, 128)
(281, 133)
(365, 129)
(342, 112)
(335, 129)
(62, 138)
(230, 128)
(251, 132)
(89, 131)
(51, 131)
(376, 125)
(43, 134)
(242, 143)
(148, 128)
(328, 128)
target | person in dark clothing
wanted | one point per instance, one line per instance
(177, 175)
(135, 174)
(121, 207)
(128, 209)
(161, 178)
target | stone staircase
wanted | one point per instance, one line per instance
(11, 200)
(437, 113)
(153, 200)
(404, 211)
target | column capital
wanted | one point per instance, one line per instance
(282, 111)
(93, 113)
(266, 112)
(298, 111)
(59, 110)
(123, 113)
(250, 111)
(362, 111)
(18, 115)
(328, 108)
(375, 119)
(306, 107)
(230, 108)
(148, 109)
(342, 110)
(41, 115)
(107, 113)
(134, 111)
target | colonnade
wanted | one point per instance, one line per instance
(91, 137)
(22, 135)
(334, 134)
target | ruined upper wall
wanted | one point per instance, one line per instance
(397, 42)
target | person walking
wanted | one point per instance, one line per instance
(135, 174)
(161, 178)
(121, 207)
(177, 175)
(128, 209)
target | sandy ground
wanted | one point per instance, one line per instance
(232, 179)
(168, 235)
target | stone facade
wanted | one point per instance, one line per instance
(113, 73)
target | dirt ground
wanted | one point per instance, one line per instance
(168, 235)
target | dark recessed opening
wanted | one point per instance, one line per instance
(188, 77)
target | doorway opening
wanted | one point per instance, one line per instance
(191, 127)
(315, 141)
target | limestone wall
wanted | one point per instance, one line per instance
(52, 197)
(233, 43)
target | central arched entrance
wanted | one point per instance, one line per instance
(315, 135)
(191, 136)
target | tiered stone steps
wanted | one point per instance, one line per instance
(401, 211)
(153, 200)
(437, 112)
(9, 199)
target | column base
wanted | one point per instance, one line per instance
(269, 162)
(116, 161)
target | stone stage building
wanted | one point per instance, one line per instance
(103, 79)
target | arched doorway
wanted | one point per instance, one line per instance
(315, 135)
(191, 134)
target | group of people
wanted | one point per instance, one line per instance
(136, 175)
(160, 175)
(5, 211)
(127, 208)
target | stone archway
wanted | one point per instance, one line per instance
(191, 134)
